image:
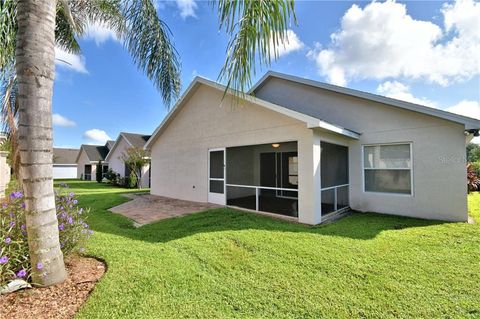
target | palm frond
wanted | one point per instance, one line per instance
(8, 32)
(148, 39)
(9, 114)
(257, 28)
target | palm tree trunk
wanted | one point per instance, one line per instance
(35, 71)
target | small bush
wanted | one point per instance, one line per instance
(14, 255)
(99, 172)
(132, 181)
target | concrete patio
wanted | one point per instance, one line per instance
(146, 208)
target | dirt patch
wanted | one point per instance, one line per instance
(60, 301)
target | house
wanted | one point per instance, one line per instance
(5, 169)
(121, 145)
(64, 162)
(89, 157)
(308, 150)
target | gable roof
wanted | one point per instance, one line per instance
(65, 155)
(310, 121)
(133, 139)
(470, 123)
(109, 144)
(94, 153)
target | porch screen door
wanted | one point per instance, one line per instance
(216, 176)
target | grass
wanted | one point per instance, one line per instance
(229, 264)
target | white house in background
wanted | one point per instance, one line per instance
(89, 157)
(122, 144)
(306, 149)
(64, 162)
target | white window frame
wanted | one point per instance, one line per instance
(411, 169)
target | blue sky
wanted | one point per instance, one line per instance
(424, 52)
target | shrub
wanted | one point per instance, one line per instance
(132, 181)
(14, 255)
(476, 167)
(99, 172)
(473, 182)
(112, 177)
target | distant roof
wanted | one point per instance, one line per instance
(133, 139)
(470, 123)
(110, 144)
(136, 140)
(95, 153)
(65, 155)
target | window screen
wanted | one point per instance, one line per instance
(388, 168)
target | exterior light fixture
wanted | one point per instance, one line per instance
(275, 145)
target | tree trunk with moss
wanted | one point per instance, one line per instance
(35, 73)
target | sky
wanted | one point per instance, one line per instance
(426, 52)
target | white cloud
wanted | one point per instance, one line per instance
(382, 40)
(466, 108)
(60, 120)
(187, 8)
(400, 91)
(96, 136)
(70, 61)
(292, 43)
(99, 33)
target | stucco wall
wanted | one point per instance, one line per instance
(439, 174)
(114, 158)
(180, 154)
(4, 173)
(117, 165)
(82, 161)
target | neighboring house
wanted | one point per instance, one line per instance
(308, 149)
(122, 144)
(88, 159)
(64, 162)
(5, 169)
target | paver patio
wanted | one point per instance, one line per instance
(146, 208)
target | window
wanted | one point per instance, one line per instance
(388, 168)
(293, 170)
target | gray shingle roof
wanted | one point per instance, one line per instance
(137, 140)
(110, 144)
(95, 153)
(65, 155)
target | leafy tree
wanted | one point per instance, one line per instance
(99, 172)
(29, 32)
(473, 152)
(136, 158)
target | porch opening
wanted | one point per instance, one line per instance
(263, 177)
(334, 178)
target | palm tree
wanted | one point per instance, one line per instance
(29, 32)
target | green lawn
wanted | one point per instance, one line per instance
(224, 263)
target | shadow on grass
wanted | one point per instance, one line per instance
(361, 226)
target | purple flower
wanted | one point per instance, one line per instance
(22, 273)
(4, 206)
(8, 240)
(23, 205)
(61, 227)
(3, 260)
(72, 194)
(80, 211)
(90, 232)
(70, 220)
(12, 224)
(11, 214)
(23, 227)
(16, 195)
(75, 202)
(39, 266)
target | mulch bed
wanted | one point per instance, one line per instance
(60, 301)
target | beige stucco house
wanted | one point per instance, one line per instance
(88, 159)
(121, 145)
(307, 150)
